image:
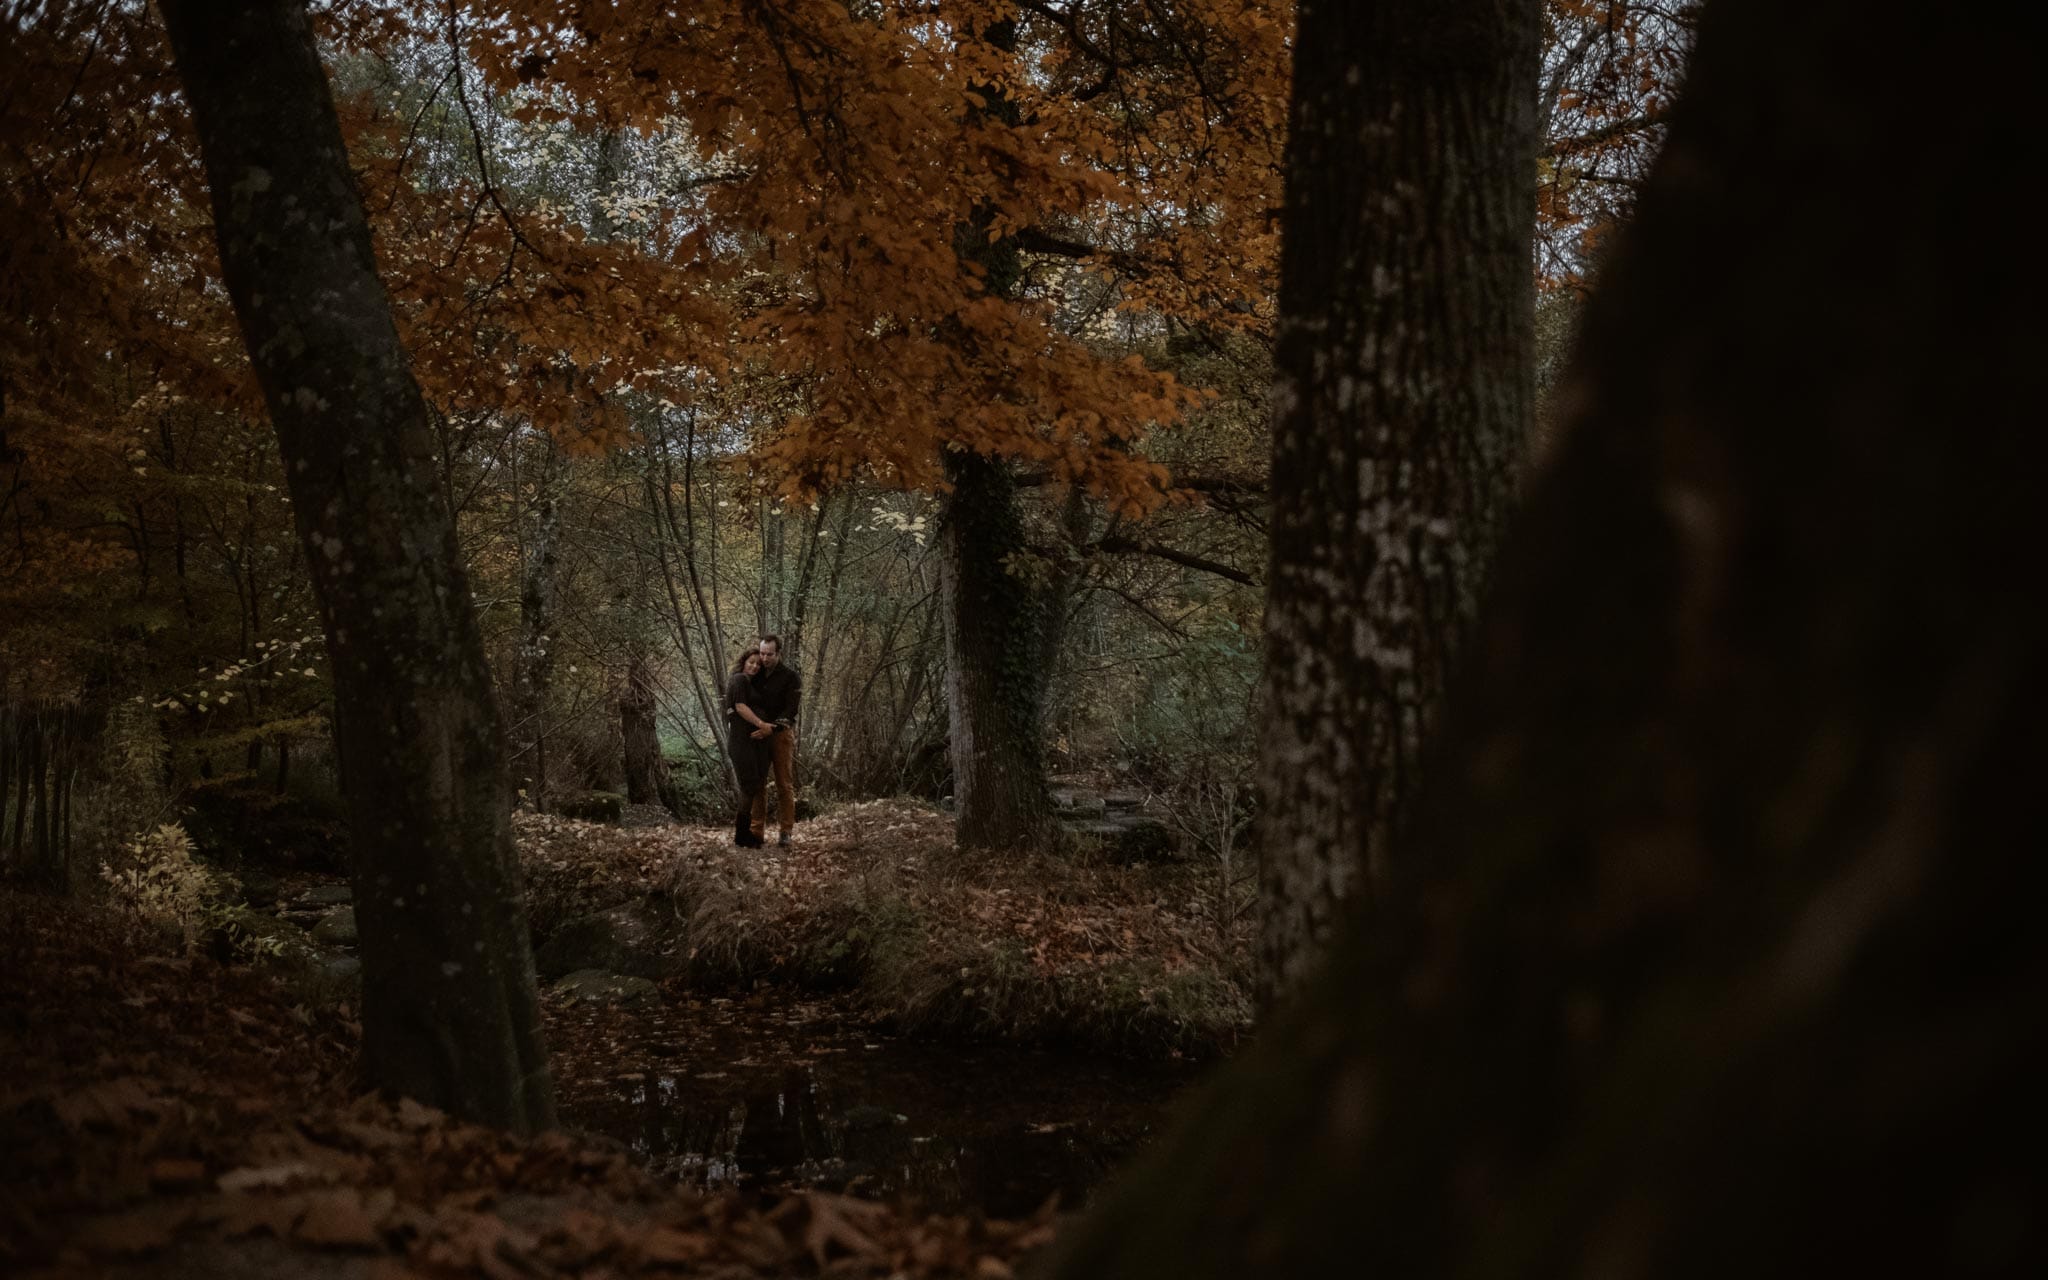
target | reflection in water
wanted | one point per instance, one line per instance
(953, 1129)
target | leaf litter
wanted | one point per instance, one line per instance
(161, 1136)
(1046, 945)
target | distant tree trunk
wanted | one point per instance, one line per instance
(7, 768)
(820, 722)
(994, 622)
(536, 672)
(35, 763)
(66, 784)
(638, 730)
(22, 761)
(1076, 522)
(1726, 957)
(1403, 399)
(768, 597)
(674, 536)
(806, 577)
(606, 167)
(449, 1010)
(45, 869)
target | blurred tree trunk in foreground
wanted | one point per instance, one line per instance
(1723, 952)
(1403, 399)
(449, 1011)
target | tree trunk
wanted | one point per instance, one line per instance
(1727, 956)
(820, 719)
(449, 1010)
(23, 758)
(1403, 397)
(537, 573)
(9, 762)
(641, 736)
(994, 621)
(1077, 524)
(675, 538)
(46, 869)
(806, 575)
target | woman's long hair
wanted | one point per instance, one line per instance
(740, 665)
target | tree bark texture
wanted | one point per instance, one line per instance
(637, 728)
(994, 621)
(1726, 958)
(1403, 395)
(449, 1010)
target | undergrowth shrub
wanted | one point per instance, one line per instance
(155, 879)
(697, 789)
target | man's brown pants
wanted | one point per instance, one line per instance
(783, 760)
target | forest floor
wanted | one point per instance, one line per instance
(1052, 946)
(165, 1115)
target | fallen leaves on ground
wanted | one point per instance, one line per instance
(144, 1138)
(1036, 944)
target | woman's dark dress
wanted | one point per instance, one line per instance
(749, 754)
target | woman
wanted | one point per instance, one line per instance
(746, 739)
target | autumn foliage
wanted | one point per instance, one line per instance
(776, 223)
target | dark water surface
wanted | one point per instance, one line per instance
(770, 1093)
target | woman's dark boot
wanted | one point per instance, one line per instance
(743, 828)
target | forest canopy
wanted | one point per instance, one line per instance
(701, 302)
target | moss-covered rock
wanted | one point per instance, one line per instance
(337, 927)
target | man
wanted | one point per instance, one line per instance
(777, 693)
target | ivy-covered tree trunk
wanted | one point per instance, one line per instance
(1403, 396)
(1726, 958)
(994, 621)
(449, 1010)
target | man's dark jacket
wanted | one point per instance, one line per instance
(777, 693)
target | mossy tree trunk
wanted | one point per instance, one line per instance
(1726, 955)
(449, 1009)
(1403, 397)
(994, 621)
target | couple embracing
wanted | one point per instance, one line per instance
(761, 698)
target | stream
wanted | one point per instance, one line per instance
(778, 1092)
